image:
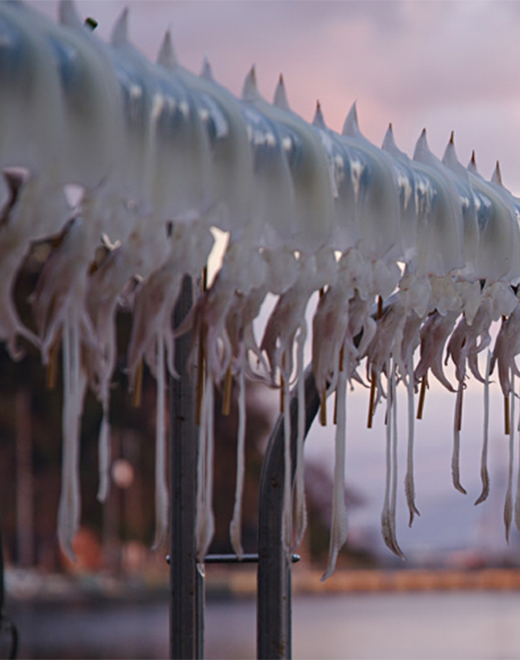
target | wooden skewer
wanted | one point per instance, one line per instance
(52, 368)
(282, 386)
(422, 395)
(323, 408)
(507, 421)
(507, 418)
(226, 401)
(138, 385)
(341, 355)
(201, 368)
(379, 307)
(459, 409)
(373, 383)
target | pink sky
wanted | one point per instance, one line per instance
(440, 65)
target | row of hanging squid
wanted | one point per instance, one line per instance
(410, 255)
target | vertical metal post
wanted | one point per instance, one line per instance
(274, 568)
(274, 563)
(24, 479)
(186, 613)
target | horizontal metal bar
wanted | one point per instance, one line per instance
(235, 559)
(231, 559)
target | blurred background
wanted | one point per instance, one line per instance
(449, 65)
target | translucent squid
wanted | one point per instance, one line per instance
(148, 160)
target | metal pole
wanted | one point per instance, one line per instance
(186, 608)
(274, 566)
(274, 563)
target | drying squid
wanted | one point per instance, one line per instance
(409, 255)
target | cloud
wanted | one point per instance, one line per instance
(442, 65)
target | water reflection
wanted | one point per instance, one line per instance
(440, 625)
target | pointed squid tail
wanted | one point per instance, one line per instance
(455, 457)
(484, 474)
(508, 505)
(389, 506)
(235, 527)
(104, 454)
(339, 531)
(409, 481)
(300, 507)
(74, 387)
(205, 521)
(393, 501)
(517, 498)
(161, 488)
(287, 486)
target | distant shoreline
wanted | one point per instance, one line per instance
(240, 582)
(307, 580)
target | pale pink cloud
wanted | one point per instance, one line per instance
(439, 65)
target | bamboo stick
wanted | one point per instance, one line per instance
(282, 386)
(422, 395)
(226, 400)
(200, 378)
(373, 380)
(379, 307)
(138, 385)
(341, 356)
(201, 361)
(459, 410)
(323, 408)
(373, 383)
(52, 368)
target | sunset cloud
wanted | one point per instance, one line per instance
(443, 66)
